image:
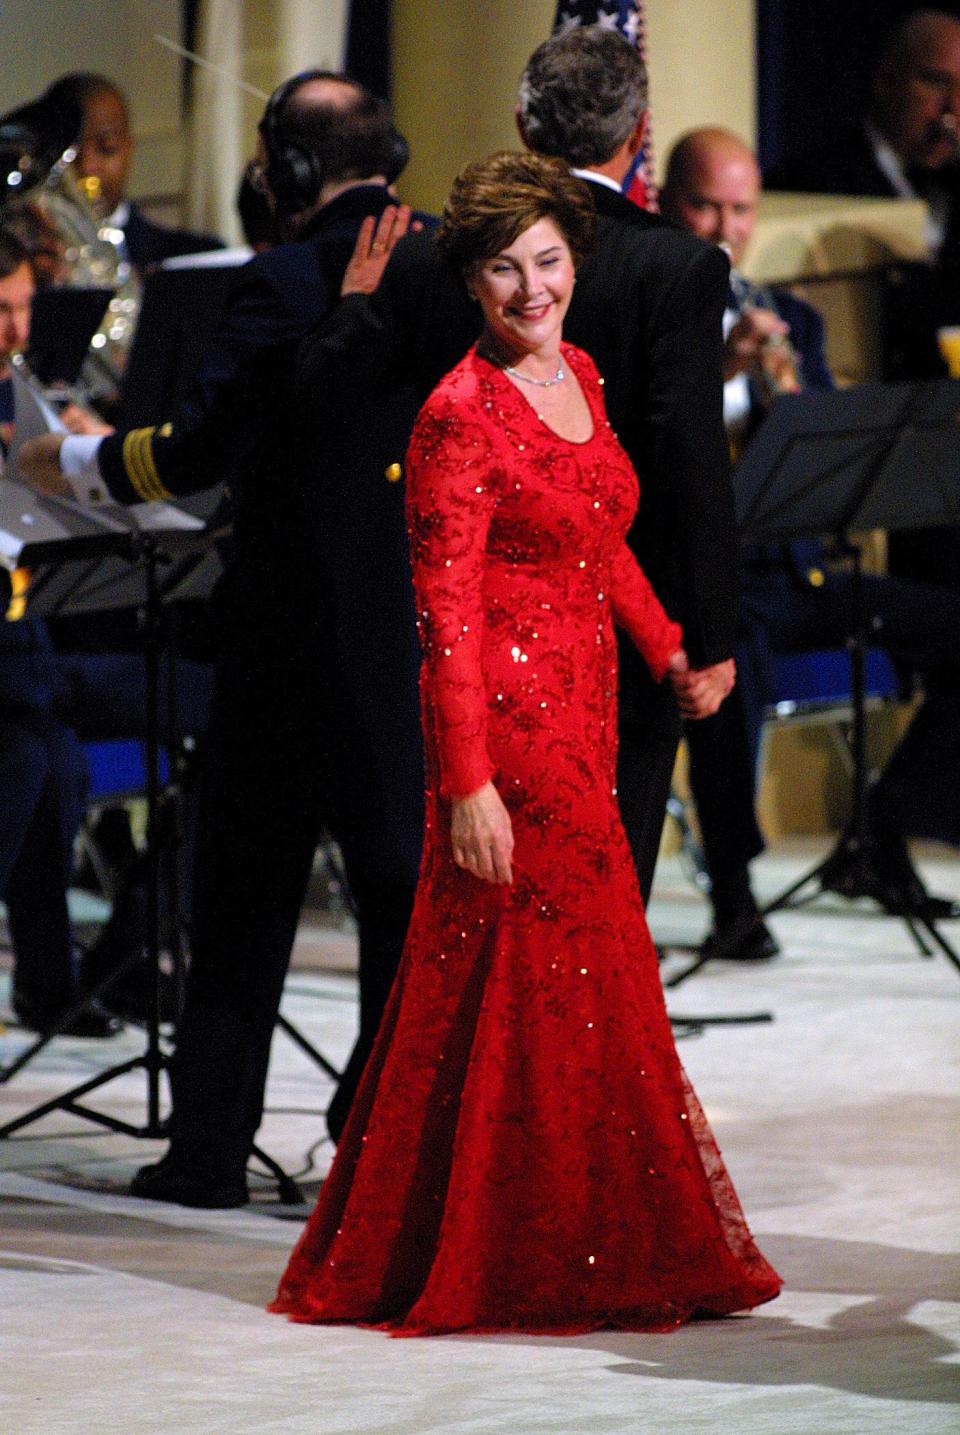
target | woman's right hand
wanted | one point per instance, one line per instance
(482, 834)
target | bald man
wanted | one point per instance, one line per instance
(712, 189)
(791, 600)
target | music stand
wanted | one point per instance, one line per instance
(64, 546)
(178, 317)
(834, 463)
(61, 548)
(62, 323)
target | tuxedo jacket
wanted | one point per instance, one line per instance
(316, 597)
(236, 422)
(647, 306)
(302, 525)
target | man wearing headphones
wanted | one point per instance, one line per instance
(315, 691)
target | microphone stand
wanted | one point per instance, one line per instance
(839, 466)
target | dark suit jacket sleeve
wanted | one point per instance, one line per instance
(359, 344)
(355, 347)
(689, 456)
(417, 325)
(208, 435)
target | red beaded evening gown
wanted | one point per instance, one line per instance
(525, 1151)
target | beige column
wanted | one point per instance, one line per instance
(456, 67)
(702, 68)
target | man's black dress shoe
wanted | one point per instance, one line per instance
(738, 942)
(184, 1183)
(939, 909)
(901, 889)
(130, 996)
(91, 1022)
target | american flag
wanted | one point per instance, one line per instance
(626, 16)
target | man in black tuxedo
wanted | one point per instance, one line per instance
(315, 716)
(647, 306)
(791, 599)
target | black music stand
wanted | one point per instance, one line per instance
(178, 317)
(837, 463)
(62, 323)
(64, 546)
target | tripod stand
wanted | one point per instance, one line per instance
(145, 553)
(878, 456)
(851, 864)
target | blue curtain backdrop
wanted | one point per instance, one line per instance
(814, 59)
(368, 45)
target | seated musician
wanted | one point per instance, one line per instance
(49, 703)
(792, 601)
(105, 148)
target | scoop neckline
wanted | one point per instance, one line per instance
(515, 389)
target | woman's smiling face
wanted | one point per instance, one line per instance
(525, 290)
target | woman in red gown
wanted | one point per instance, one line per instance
(525, 1151)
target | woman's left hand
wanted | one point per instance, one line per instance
(700, 691)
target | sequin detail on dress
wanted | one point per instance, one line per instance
(525, 1151)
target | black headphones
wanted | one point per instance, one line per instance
(296, 171)
(293, 172)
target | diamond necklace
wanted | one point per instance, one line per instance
(558, 377)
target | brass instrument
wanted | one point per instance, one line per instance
(782, 372)
(93, 257)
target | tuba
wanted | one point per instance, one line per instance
(39, 139)
(93, 256)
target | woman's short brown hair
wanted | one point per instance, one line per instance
(494, 200)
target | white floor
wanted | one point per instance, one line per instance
(839, 1123)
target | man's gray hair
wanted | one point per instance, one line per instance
(582, 94)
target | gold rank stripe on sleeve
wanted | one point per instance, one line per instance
(141, 469)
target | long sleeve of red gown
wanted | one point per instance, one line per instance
(453, 479)
(638, 611)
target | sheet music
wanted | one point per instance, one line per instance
(33, 416)
(160, 518)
